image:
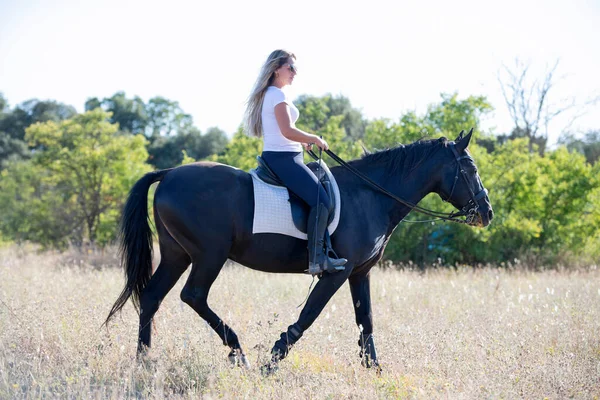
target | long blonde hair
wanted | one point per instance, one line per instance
(252, 117)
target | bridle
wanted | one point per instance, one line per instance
(470, 210)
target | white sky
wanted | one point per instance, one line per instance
(386, 56)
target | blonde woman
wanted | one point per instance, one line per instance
(272, 115)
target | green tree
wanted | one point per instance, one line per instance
(567, 187)
(165, 118)
(11, 150)
(166, 151)
(315, 113)
(130, 114)
(213, 141)
(3, 103)
(14, 122)
(333, 133)
(382, 133)
(588, 145)
(29, 112)
(453, 115)
(544, 205)
(89, 167)
(33, 207)
(240, 152)
(591, 215)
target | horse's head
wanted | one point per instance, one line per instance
(461, 186)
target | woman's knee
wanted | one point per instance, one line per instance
(323, 198)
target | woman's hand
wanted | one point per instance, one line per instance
(307, 146)
(322, 144)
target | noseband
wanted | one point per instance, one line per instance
(471, 209)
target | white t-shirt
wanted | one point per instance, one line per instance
(272, 136)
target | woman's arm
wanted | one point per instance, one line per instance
(289, 130)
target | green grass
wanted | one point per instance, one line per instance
(442, 334)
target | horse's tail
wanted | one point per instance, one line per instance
(135, 238)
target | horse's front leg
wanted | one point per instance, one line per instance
(360, 288)
(323, 291)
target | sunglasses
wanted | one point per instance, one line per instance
(292, 68)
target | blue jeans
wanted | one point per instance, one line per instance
(290, 168)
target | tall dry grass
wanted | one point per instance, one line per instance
(441, 334)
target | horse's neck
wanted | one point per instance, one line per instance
(409, 188)
(398, 211)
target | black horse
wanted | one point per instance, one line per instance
(204, 213)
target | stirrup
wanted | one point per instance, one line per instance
(331, 265)
(335, 264)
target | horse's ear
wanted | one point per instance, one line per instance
(462, 144)
(366, 151)
(460, 135)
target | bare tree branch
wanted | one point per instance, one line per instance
(528, 102)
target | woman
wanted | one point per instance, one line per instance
(272, 115)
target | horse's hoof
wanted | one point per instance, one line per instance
(269, 369)
(142, 354)
(244, 362)
(374, 364)
(239, 359)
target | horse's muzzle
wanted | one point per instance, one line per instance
(486, 214)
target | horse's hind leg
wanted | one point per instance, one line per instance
(174, 261)
(205, 269)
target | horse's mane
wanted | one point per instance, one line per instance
(402, 158)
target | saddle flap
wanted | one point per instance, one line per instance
(271, 215)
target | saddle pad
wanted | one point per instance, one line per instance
(272, 209)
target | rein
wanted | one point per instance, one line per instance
(469, 211)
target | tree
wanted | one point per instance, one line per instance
(333, 133)
(14, 123)
(453, 115)
(530, 106)
(130, 114)
(240, 152)
(165, 118)
(315, 112)
(3, 103)
(382, 133)
(589, 145)
(167, 151)
(31, 210)
(213, 141)
(90, 167)
(11, 150)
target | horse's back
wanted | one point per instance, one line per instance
(204, 201)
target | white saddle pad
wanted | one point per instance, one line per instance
(273, 212)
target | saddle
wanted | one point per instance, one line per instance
(299, 208)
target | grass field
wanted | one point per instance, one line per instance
(486, 333)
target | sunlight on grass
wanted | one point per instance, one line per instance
(461, 333)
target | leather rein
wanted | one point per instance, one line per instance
(470, 210)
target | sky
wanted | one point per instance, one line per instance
(387, 57)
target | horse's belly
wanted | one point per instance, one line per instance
(271, 253)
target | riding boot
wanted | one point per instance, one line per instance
(318, 258)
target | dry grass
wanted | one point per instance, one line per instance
(443, 334)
